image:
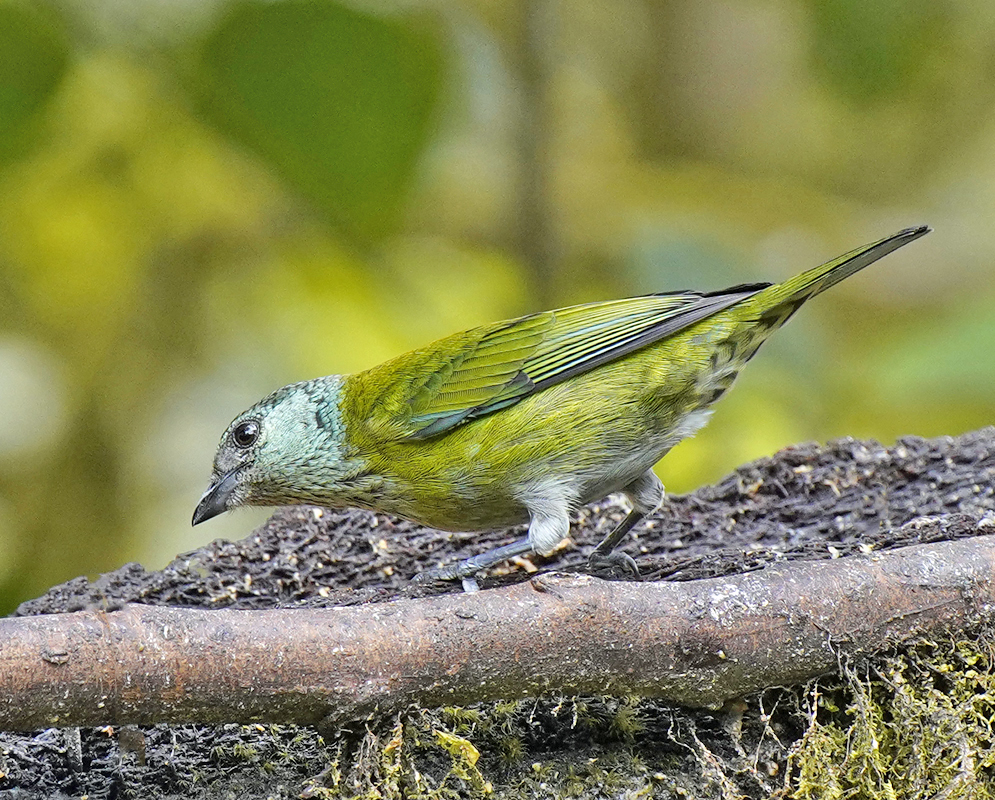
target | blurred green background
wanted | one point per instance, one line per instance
(201, 200)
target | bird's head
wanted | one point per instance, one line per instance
(284, 450)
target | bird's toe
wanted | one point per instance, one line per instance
(613, 562)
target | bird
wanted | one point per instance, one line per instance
(520, 421)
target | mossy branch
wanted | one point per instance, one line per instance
(697, 643)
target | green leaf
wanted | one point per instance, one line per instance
(34, 55)
(340, 101)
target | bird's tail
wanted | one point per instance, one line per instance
(780, 301)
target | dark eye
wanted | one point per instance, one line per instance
(245, 433)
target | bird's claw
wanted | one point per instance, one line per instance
(616, 559)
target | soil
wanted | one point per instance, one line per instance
(805, 502)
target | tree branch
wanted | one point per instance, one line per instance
(695, 643)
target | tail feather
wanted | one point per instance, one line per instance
(797, 290)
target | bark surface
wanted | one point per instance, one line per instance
(696, 643)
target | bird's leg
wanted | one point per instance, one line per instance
(645, 494)
(549, 525)
(466, 569)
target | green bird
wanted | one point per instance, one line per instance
(520, 421)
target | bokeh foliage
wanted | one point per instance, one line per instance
(33, 57)
(200, 202)
(337, 100)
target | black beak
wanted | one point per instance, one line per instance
(215, 499)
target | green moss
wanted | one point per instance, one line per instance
(916, 724)
(626, 722)
(511, 749)
(464, 763)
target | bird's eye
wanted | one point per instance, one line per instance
(245, 433)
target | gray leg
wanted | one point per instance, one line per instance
(550, 523)
(471, 566)
(646, 494)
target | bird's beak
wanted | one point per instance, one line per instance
(215, 499)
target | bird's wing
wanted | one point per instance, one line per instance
(513, 360)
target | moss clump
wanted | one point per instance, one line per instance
(915, 724)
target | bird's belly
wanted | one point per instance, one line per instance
(619, 471)
(455, 505)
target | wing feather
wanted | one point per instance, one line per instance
(509, 362)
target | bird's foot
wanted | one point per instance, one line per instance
(612, 561)
(461, 571)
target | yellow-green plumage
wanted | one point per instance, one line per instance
(518, 421)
